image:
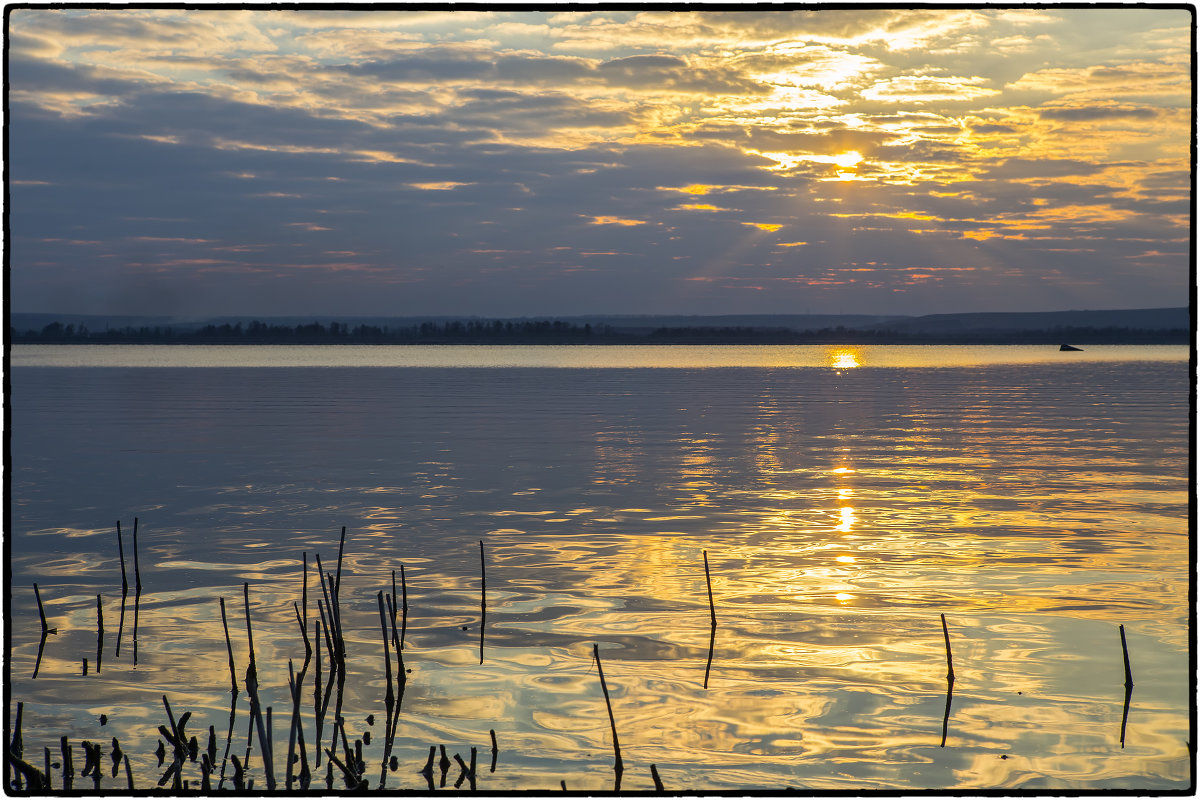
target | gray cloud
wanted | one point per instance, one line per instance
(1099, 112)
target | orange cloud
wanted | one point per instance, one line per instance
(617, 221)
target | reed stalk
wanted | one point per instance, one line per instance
(137, 572)
(137, 604)
(427, 770)
(256, 713)
(1125, 653)
(42, 612)
(228, 738)
(37, 664)
(1128, 685)
(393, 610)
(482, 577)
(304, 596)
(946, 713)
(712, 609)
(99, 632)
(712, 643)
(443, 763)
(17, 745)
(403, 606)
(318, 712)
(337, 588)
(618, 766)
(949, 660)
(295, 723)
(463, 770)
(121, 552)
(658, 784)
(68, 766)
(389, 700)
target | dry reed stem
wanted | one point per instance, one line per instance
(121, 552)
(618, 766)
(41, 611)
(712, 609)
(1125, 653)
(137, 572)
(949, 660)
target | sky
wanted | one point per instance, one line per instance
(368, 161)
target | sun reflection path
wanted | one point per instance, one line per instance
(843, 358)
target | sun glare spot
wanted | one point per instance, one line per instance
(846, 514)
(843, 596)
(844, 359)
(848, 159)
(845, 559)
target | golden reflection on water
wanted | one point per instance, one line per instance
(845, 358)
(833, 546)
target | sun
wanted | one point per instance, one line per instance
(848, 159)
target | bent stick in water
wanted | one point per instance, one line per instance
(618, 767)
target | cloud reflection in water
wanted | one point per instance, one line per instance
(838, 525)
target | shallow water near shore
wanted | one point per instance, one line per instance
(846, 498)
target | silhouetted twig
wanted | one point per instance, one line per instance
(618, 766)
(949, 660)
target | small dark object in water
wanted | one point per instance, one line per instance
(464, 627)
(366, 738)
(1066, 347)
(370, 719)
(104, 719)
(161, 752)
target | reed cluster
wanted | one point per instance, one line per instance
(187, 766)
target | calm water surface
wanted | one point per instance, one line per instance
(846, 497)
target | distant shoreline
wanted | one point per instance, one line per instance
(1163, 326)
(1050, 339)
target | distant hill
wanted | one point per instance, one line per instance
(1139, 319)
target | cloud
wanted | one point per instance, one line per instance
(543, 161)
(1089, 114)
(1042, 168)
(928, 89)
(1138, 79)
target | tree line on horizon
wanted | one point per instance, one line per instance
(559, 332)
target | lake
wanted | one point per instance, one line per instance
(845, 497)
